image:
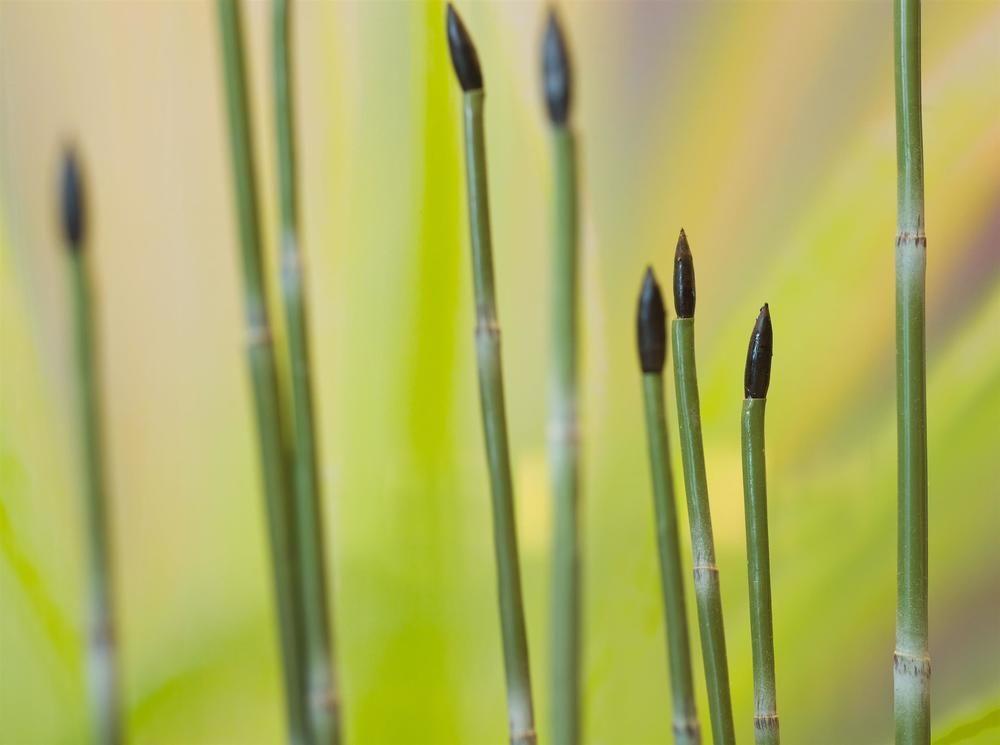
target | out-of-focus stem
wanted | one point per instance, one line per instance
(102, 646)
(319, 684)
(564, 448)
(260, 357)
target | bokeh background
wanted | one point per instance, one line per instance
(766, 130)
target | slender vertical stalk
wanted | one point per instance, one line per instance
(652, 338)
(319, 684)
(911, 661)
(756, 381)
(706, 572)
(102, 651)
(563, 421)
(260, 357)
(515, 639)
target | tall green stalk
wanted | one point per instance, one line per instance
(260, 356)
(319, 683)
(520, 710)
(911, 661)
(757, 378)
(564, 439)
(706, 572)
(102, 648)
(652, 340)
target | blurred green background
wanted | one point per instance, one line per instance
(766, 130)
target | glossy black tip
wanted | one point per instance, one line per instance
(683, 279)
(72, 208)
(463, 54)
(556, 76)
(757, 377)
(651, 325)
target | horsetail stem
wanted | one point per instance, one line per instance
(706, 572)
(563, 420)
(260, 354)
(652, 342)
(102, 644)
(515, 640)
(755, 383)
(911, 660)
(319, 679)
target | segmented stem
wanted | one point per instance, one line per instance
(684, 722)
(319, 683)
(515, 637)
(706, 572)
(911, 661)
(765, 721)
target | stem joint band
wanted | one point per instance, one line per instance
(911, 665)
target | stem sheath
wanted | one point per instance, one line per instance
(911, 661)
(564, 443)
(684, 722)
(515, 639)
(260, 356)
(319, 683)
(706, 572)
(765, 721)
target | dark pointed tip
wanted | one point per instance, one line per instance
(651, 325)
(463, 54)
(684, 294)
(757, 377)
(72, 207)
(556, 74)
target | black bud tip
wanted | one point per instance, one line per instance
(463, 53)
(683, 279)
(651, 325)
(72, 207)
(757, 377)
(556, 72)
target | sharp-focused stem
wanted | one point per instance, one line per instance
(911, 661)
(684, 722)
(515, 640)
(765, 720)
(564, 448)
(706, 572)
(319, 683)
(260, 353)
(102, 647)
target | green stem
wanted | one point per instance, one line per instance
(319, 683)
(685, 719)
(911, 661)
(102, 654)
(765, 720)
(515, 640)
(706, 572)
(260, 353)
(564, 448)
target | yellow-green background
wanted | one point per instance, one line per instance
(765, 129)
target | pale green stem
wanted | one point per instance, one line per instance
(319, 683)
(520, 711)
(765, 720)
(102, 645)
(260, 354)
(911, 661)
(684, 722)
(564, 448)
(706, 572)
